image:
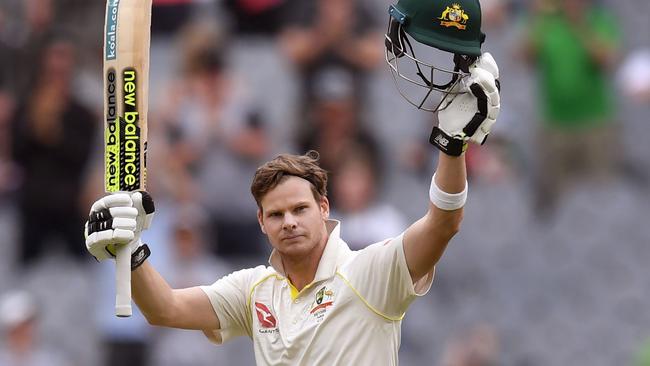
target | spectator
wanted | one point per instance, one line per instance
(190, 263)
(356, 189)
(216, 140)
(335, 120)
(52, 134)
(7, 169)
(19, 323)
(28, 29)
(169, 16)
(573, 45)
(257, 17)
(331, 34)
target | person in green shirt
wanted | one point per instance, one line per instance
(573, 44)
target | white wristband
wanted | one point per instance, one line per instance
(446, 201)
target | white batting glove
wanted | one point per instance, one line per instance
(469, 116)
(143, 202)
(117, 219)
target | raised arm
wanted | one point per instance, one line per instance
(118, 219)
(427, 238)
(187, 308)
(467, 117)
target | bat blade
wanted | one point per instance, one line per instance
(126, 84)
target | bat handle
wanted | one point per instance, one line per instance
(123, 281)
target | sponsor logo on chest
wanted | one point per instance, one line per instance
(268, 323)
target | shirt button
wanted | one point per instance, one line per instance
(296, 301)
(295, 321)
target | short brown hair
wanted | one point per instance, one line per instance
(272, 173)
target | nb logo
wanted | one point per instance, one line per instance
(441, 141)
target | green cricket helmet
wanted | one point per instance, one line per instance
(452, 26)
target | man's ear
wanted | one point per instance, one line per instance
(325, 208)
(260, 220)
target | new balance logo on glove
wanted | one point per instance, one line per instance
(441, 141)
(448, 145)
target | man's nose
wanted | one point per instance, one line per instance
(290, 222)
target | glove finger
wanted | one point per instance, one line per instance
(124, 224)
(489, 84)
(101, 238)
(493, 112)
(482, 105)
(485, 79)
(119, 200)
(479, 137)
(126, 212)
(486, 127)
(116, 217)
(98, 216)
(143, 201)
(494, 98)
(483, 131)
(122, 236)
(97, 226)
(91, 239)
(488, 87)
(481, 98)
(97, 247)
(113, 200)
(487, 63)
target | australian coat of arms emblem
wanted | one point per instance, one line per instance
(454, 16)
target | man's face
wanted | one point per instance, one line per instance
(292, 218)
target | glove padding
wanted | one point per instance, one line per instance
(469, 116)
(118, 219)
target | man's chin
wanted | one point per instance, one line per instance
(295, 247)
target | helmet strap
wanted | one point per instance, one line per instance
(463, 62)
(393, 43)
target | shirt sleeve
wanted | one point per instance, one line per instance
(229, 299)
(380, 276)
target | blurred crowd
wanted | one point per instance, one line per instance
(550, 267)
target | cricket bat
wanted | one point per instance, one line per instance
(126, 82)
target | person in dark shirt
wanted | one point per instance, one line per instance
(330, 35)
(52, 136)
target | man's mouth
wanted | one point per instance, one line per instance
(291, 237)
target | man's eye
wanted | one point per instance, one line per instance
(274, 214)
(301, 208)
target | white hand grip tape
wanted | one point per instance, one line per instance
(123, 281)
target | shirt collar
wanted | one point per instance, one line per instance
(334, 253)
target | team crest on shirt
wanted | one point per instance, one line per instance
(268, 323)
(324, 299)
(454, 16)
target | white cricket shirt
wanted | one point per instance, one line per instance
(350, 314)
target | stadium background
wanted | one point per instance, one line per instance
(234, 82)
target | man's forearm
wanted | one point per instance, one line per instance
(450, 178)
(443, 222)
(426, 239)
(151, 293)
(451, 174)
